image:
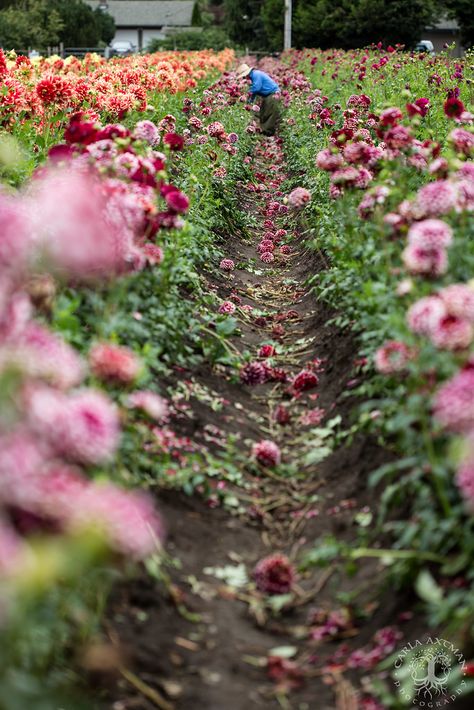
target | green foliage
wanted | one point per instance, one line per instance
(461, 10)
(349, 23)
(32, 25)
(213, 38)
(272, 16)
(244, 23)
(43, 23)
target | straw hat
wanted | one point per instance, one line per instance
(243, 70)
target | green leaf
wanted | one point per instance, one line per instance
(427, 588)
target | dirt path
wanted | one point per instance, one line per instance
(206, 646)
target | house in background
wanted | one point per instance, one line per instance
(444, 32)
(139, 21)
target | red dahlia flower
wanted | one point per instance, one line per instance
(306, 380)
(453, 107)
(173, 141)
(274, 574)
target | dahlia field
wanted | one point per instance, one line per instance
(236, 383)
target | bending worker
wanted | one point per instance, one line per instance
(263, 85)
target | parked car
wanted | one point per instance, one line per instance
(121, 48)
(425, 45)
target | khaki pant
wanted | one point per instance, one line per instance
(270, 115)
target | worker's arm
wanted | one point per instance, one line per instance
(256, 85)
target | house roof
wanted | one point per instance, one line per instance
(149, 13)
(445, 24)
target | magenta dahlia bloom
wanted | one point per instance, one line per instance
(177, 201)
(114, 362)
(267, 257)
(424, 315)
(174, 141)
(274, 574)
(267, 453)
(227, 307)
(454, 403)
(253, 373)
(390, 116)
(153, 253)
(453, 107)
(426, 261)
(392, 357)
(151, 403)
(459, 300)
(285, 249)
(227, 265)
(305, 380)
(430, 233)
(452, 333)
(299, 197)
(267, 351)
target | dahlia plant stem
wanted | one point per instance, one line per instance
(396, 554)
(437, 483)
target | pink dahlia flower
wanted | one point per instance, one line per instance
(153, 253)
(328, 160)
(83, 426)
(267, 453)
(452, 333)
(227, 307)
(398, 137)
(424, 315)
(114, 362)
(454, 402)
(299, 197)
(44, 355)
(390, 116)
(465, 480)
(392, 357)
(151, 403)
(305, 380)
(126, 519)
(285, 249)
(147, 131)
(267, 351)
(265, 245)
(429, 261)
(463, 141)
(253, 373)
(267, 257)
(459, 300)
(430, 233)
(274, 574)
(15, 244)
(435, 199)
(227, 265)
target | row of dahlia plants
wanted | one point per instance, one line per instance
(97, 225)
(384, 143)
(38, 94)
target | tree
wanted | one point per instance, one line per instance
(272, 14)
(244, 23)
(33, 24)
(189, 40)
(358, 23)
(462, 12)
(83, 26)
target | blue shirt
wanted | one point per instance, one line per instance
(262, 84)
